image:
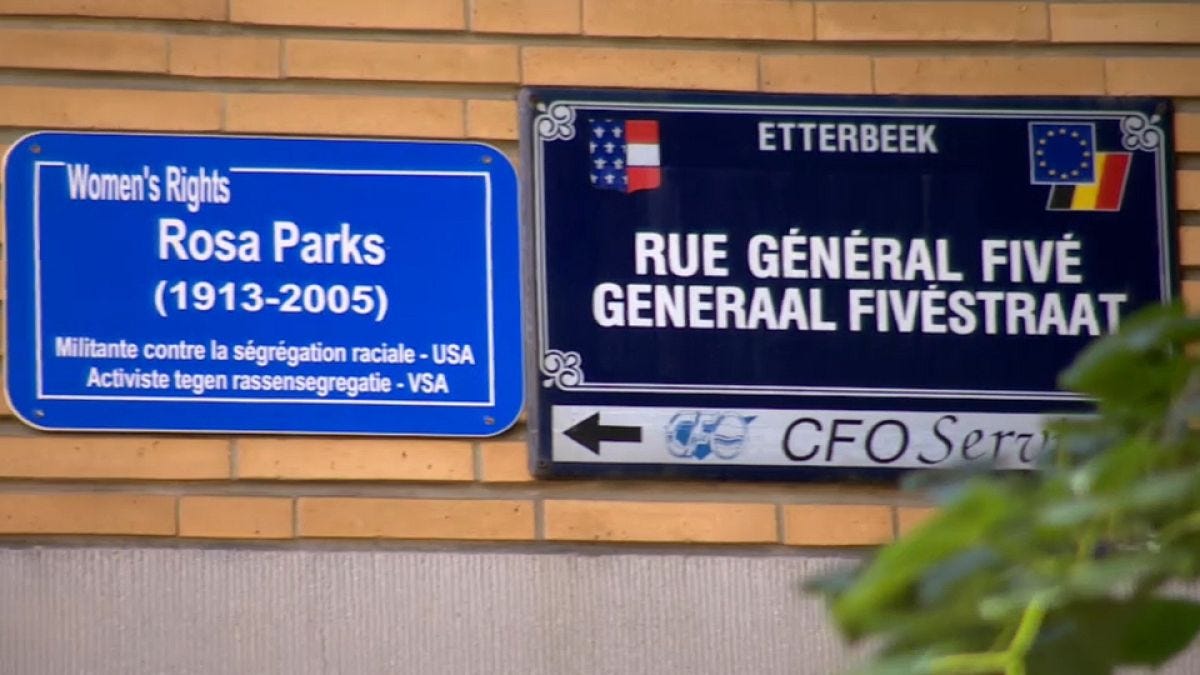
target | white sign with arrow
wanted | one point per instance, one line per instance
(865, 438)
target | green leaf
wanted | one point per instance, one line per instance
(1095, 636)
(1080, 439)
(1123, 463)
(1073, 513)
(941, 579)
(897, 568)
(1068, 646)
(1161, 489)
(1160, 326)
(1138, 364)
(1158, 629)
(1120, 573)
(1109, 517)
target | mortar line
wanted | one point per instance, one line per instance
(477, 461)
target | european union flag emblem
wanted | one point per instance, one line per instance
(1062, 153)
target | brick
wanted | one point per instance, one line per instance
(208, 56)
(836, 525)
(476, 519)
(344, 115)
(1190, 292)
(428, 14)
(1153, 76)
(114, 458)
(1187, 132)
(354, 459)
(492, 120)
(83, 50)
(137, 109)
(72, 513)
(505, 462)
(931, 21)
(725, 19)
(200, 10)
(1147, 22)
(612, 67)
(817, 74)
(696, 522)
(402, 61)
(989, 75)
(525, 17)
(1189, 189)
(909, 517)
(235, 517)
(1189, 246)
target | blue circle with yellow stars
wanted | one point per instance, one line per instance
(1064, 154)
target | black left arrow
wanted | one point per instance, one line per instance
(590, 433)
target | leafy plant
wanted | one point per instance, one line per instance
(1065, 569)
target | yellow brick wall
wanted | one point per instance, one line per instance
(451, 69)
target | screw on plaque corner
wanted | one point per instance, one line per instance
(489, 420)
(39, 413)
(487, 159)
(35, 149)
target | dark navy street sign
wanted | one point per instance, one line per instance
(782, 286)
(190, 283)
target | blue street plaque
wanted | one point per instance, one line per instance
(191, 283)
(789, 287)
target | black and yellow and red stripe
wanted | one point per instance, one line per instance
(1105, 194)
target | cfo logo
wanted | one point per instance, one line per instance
(693, 433)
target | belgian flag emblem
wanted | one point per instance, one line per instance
(1105, 194)
(1064, 156)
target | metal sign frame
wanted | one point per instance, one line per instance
(330, 173)
(604, 412)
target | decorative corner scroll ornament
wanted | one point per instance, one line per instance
(1139, 132)
(556, 122)
(563, 368)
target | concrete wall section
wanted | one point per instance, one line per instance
(115, 611)
(177, 610)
